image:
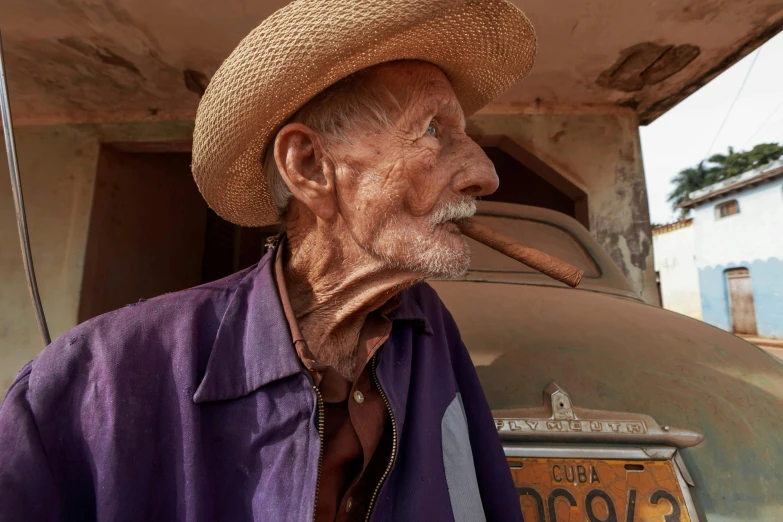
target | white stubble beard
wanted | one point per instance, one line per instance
(406, 249)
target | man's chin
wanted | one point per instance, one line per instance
(445, 261)
(448, 273)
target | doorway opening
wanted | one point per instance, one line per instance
(741, 305)
(526, 180)
(151, 232)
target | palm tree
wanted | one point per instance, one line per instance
(735, 163)
(692, 179)
(719, 167)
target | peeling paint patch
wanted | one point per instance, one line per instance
(110, 58)
(91, 80)
(556, 136)
(622, 227)
(196, 81)
(103, 54)
(697, 11)
(647, 64)
(639, 245)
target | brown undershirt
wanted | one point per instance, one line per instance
(357, 430)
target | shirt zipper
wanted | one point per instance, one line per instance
(321, 448)
(394, 439)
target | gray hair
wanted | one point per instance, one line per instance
(335, 114)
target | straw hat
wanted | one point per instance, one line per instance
(483, 46)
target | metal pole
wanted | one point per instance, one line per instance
(16, 187)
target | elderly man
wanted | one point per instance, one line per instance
(328, 382)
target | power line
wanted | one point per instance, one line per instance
(733, 103)
(764, 124)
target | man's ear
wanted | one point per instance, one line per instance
(305, 168)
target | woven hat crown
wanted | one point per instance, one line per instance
(483, 47)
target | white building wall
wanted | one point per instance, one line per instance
(756, 233)
(676, 266)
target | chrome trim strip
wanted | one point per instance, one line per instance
(590, 452)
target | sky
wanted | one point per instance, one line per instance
(689, 132)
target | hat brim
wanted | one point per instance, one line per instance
(483, 46)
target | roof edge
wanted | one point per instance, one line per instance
(671, 227)
(734, 184)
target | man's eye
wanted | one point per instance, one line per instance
(432, 130)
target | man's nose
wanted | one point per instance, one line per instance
(477, 176)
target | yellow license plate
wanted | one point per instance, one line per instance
(601, 490)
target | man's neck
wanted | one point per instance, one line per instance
(333, 285)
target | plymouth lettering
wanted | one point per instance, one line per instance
(569, 426)
(554, 425)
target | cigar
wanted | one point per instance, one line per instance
(544, 263)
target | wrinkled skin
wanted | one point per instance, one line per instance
(360, 227)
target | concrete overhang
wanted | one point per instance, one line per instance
(74, 61)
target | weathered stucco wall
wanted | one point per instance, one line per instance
(675, 261)
(602, 155)
(58, 166)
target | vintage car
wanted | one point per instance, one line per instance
(611, 409)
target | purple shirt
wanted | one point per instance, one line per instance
(194, 406)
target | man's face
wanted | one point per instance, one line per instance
(400, 189)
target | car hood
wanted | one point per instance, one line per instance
(615, 353)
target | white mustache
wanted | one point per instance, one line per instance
(454, 211)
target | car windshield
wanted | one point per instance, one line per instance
(548, 238)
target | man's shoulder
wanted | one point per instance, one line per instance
(158, 315)
(140, 341)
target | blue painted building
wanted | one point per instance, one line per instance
(737, 232)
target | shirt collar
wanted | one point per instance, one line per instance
(409, 310)
(254, 344)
